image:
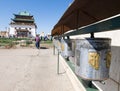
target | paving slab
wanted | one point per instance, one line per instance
(30, 69)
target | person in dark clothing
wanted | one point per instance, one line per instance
(37, 39)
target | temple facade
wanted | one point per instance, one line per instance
(23, 25)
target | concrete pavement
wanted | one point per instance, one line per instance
(32, 70)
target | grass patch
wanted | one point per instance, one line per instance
(8, 40)
(26, 41)
(46, 42)
(11, 41)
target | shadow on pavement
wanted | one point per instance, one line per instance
(44, 48)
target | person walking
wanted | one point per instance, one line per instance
(37, 40)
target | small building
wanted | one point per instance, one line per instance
(42, 34)
(4, 34)
(23, 25)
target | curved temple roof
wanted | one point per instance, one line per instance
(24, 13)
(84, 12)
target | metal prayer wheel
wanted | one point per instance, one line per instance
(72, 58)
(66, 48)
(55, 42)
(59, 44)
(93, 58)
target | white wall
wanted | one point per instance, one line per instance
(32, 30)
(114, 35)
(12, 31)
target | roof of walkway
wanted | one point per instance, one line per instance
(84, 12)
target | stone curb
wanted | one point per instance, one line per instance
(78, 86)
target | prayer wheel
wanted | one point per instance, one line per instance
(93, 58)
(66, 48)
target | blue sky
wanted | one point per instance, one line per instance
(46, 12)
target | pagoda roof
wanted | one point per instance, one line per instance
(23, 13)
(18, 23)
(19, 19)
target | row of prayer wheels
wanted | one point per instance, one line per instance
(91, 56)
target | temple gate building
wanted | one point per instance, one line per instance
(23, 25)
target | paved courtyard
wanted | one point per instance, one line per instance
(30, 69)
